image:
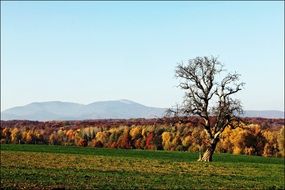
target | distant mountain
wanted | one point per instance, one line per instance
(264, 113)
(116, 109)
(56, 110)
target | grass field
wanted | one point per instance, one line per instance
(50, 167)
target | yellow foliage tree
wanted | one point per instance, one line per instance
(29, 137)
(101, 136)
(135, 132)
(281, 141)
(166, 140)
(187, 141)
(16, 136)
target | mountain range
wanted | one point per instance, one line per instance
(56, 110)
(115, 109)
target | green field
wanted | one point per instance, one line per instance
(48, 167)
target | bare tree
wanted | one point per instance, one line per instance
(209, 99)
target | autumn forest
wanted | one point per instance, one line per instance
(255, 136)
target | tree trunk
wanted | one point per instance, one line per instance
(208, 155)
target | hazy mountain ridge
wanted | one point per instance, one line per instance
(115, 109)
(264, 113)
(56, 110)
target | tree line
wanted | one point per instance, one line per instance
(248, 138)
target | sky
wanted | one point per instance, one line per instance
(93, 51)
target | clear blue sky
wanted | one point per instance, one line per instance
(90, 51)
